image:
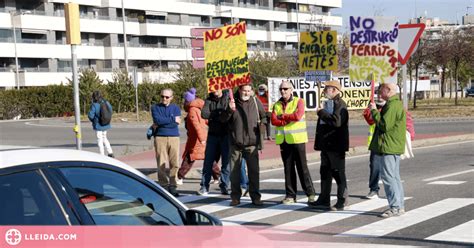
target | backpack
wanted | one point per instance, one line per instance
(105, 114)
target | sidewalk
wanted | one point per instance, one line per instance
(270, 156)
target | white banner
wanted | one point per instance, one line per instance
(355, 94)
(301, 88)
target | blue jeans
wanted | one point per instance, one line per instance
(374, 174)
(216, 146)
(244, 180)
(389, 166)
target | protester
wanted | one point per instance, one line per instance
(388, 144)
(332, 139)
(100, 129)
(263, 97)
(288, 117)
(166, 118)
(244, 115)
(217, 144)
(374, 173)
(196, 130)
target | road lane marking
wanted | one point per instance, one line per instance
(327, 217)
(447, 182)
(266, 212)
(386, 226)
(381, 183)
(191, 198)
(448, 175)
(274, 180)
(462, 233)
(280, 180)
(446, 144)
(366, 155)
(224, 205)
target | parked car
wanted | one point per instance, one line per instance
(470, 91)
(71, 187)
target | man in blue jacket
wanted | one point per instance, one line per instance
(166, 118)
(100, 130)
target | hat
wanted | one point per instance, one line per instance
(190, 95)
(263, 86)
(333, 83)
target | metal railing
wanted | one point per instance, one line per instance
(155, 21)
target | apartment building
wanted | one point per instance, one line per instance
(158, 33)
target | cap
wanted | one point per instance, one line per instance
(190, 95)
(333, 83)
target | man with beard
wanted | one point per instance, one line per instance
(244, 115)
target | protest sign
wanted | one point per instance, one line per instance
(301, 88)
(226, 58)
(374, 49)
(355, 94)
(317, 51)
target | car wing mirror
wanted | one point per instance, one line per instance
(200, 218)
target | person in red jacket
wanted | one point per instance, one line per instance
(262, 95)
(197, 136)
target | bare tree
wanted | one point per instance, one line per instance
(461, 52)
(439, 54)
(343, 54)
(419, 58)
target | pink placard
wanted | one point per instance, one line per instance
(198, 64)
(198, 53)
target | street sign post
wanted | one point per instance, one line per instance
(409, 35)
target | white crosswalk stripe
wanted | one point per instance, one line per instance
(329, 217)
(266, 212)
(410, 218)
(462, 233)
(224, 205)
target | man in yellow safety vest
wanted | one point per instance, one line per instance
(288, 116)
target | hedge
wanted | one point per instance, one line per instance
(57, 100)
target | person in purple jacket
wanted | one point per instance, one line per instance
(166, 118)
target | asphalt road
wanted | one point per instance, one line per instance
(129, 138)
(438, 184)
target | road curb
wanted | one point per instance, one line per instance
(275, 163)
(313, 156)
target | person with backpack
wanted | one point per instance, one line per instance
(100, 114)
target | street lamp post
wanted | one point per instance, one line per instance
(124, 39)
(14, 13)
(298, 24)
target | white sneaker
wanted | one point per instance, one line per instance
(179, 181)
(372, 195)
(214, 181)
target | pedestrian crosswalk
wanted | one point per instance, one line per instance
(273, 216)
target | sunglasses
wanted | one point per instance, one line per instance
(284, 89)
(165, 97)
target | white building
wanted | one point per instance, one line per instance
(158, 33)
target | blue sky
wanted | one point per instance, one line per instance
(405, 9)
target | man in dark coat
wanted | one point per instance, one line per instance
(244, 115)
(332, 139)
(217, 144)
